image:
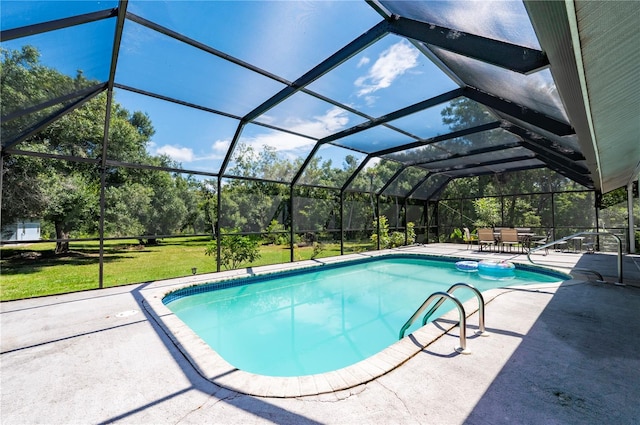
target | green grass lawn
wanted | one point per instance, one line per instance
(34, 270)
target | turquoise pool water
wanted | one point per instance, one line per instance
(323, 318)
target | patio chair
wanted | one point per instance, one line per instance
(485, 237)
(509, 237)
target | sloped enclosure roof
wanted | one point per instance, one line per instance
(441, 89)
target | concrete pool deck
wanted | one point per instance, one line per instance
(559, 354)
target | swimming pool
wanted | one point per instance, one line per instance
(321, 319)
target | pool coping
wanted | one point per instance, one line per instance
(214, 368)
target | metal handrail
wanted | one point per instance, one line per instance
(566, 238)
(481, 330)
(462, 348)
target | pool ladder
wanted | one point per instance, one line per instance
(442, 297)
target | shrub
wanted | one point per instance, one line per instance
(234, 250)
(275, 234)
(384, 232)
(395, 239)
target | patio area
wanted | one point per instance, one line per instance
(557, 354)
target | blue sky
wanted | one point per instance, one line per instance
(294, 37)
(286, 38)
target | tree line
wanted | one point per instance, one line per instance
(64, 192)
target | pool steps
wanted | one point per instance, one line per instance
(442, 297)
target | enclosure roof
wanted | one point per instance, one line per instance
(442, 89)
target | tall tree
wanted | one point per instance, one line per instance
(64, 192)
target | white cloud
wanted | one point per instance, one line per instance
(336, 119)
(280, 141)
(370, 100)
(267, 119)
(220, 147)
(333, 120)
(177, 153)
(364, 61)
(392, 63)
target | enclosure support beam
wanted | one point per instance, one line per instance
(544, 143)
(48, 120)
(52, 102)
(341, 222)
(632, 236)
(378, 221)
(217, 225)
(520, 112)
(1, 174)
(467, 154)
(391, 180)
(117, 38)
(291, 224)
(352, 177)
(596, 205)
(29, 30)
(505, 55)
(441, 138)
(553, 215)
(511, 170)
(400, 113)
(471, 166)
(232, 147)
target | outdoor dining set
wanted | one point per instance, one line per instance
(523, 239)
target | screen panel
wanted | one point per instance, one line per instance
(268, 153)
(331, 166)
(287, 29)
(22, 124)
(500, 20)
(16, 14)
(374, 139)
(471, 160)
(249, 206)
(407, 180)
(192, 139)
(372, 80)
(309, 116)
(183, 72)
(458, 114)
(374, 175)
(46, 66)
(358, 217)
(537, 91)
(426, 190)
(80, 133)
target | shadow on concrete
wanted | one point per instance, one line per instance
(253, 405)
(579, 363)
